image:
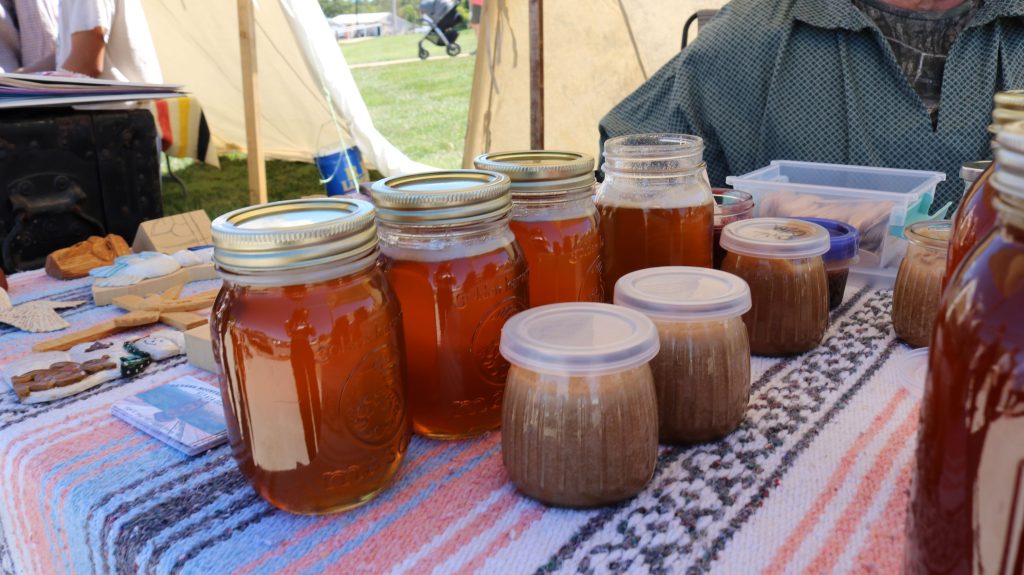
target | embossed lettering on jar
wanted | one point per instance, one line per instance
(459, 274)
(555, 222)
(307, 333)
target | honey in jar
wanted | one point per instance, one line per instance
(915, 298)
(555, 222)
(976, 216)
(702, 372)
(780, 259)
(307, 335)
(459, 275)
(580, 425)
(656, 205)
(966, 511)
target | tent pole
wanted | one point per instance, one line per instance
(251, 96)
(537, 74)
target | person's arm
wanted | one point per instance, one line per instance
(88, 50)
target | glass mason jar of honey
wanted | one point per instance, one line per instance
(915, 298)
(780, 259)
(555, 222)
(459, 274)
(308, 336)
(656, 205)
(976, 216)
(702, 373)
(966, 510)
(580, 424)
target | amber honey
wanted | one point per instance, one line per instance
(564, 257)
(453, 312)
(315, 377)
(307, 335)
(639, 238)
(975, 218)
(459, 274)
(967, 499)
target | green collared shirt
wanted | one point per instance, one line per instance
(815, 80)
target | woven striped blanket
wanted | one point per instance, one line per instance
(814, 481)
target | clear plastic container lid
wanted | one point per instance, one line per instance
(844, 239)
(911, 371)
(579, 339)
(783, 238)
(684, 293)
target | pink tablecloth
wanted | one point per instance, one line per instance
(814, 481)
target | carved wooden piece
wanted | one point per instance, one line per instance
(99, 331)
(106, 295)
(199, 348)
(174, 233)
(76, 261)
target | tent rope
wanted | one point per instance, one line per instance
(632, 39)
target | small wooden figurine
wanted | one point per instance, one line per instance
(77, 260)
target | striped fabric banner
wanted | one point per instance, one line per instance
(814, 481)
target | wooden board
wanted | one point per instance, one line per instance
(99, 331)
(106, 295)
(199, 348)
(174, 233)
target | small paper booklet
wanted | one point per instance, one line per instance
(186, 414)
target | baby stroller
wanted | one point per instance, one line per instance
(442, 18)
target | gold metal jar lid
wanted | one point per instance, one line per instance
(293, 234)
(1009, 108)
(540, 172)
(444, 198)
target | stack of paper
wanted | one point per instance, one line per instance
(33, 90)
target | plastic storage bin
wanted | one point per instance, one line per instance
(879, 202)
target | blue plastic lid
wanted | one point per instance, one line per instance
(845, 239)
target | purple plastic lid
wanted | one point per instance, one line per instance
(845, 239)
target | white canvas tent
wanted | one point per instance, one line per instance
(596, 52)
(197, 42)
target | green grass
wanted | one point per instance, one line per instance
(420, 107)
(402, 47)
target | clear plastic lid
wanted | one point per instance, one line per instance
(911, 371)
(579, 339)
(783, 238)
(684, 293)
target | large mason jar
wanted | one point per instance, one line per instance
(459, 274)
(308, 337)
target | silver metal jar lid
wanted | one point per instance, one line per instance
(444, 198)
(971, 171)
(541, 172)
(293, 234)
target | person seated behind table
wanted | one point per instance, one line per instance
(107, 39)
(28, 35)
(896, 83)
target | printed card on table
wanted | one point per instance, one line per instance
(186, 414)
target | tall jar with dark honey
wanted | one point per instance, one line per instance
(967, 498)
(308, 336)
(656, 205)
(976, 216)
(555, 222)
(459, 274)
